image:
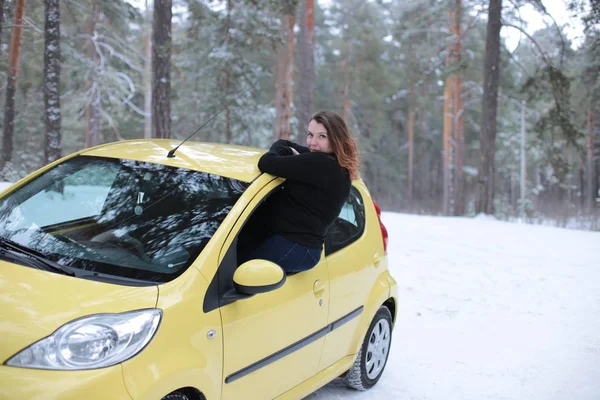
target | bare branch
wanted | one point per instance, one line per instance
(111, 123)
(32, 24)
(544, 56)
(121, 57)
(543, 9)
(512, 57)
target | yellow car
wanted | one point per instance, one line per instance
(119, 280)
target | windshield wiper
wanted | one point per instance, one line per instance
(33, 258)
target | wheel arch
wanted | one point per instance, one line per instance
(380, 295)
(391, 305)
(191, 392)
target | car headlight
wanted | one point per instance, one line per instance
(91, 342)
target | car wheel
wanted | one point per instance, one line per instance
(372, 357)
(176, 396)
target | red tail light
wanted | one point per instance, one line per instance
(384, 232)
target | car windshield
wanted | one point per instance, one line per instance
(123, 218)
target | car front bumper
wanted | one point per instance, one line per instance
(25, 384)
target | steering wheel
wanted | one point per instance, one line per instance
(110, 237)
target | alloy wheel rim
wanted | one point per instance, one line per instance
(378, 348)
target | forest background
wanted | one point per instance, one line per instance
(450, 118)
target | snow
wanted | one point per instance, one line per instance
(489, 310)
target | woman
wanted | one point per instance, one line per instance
(318, 179)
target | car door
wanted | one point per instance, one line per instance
(352, 261)
(272, 341)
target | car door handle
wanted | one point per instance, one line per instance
(318, 287)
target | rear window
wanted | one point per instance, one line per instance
(348, 226)
(120, 217)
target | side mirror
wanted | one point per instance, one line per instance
(258, 276)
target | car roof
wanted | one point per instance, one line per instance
(232, 161)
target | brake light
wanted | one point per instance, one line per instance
(384, 232)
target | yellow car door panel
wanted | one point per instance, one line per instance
(272, 341)
(350, 247)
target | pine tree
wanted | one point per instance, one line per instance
(11, 85)
(284, 68)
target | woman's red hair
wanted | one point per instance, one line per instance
(342, 143)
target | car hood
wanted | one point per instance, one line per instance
(34, 303)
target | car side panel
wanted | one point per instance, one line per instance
(383, 290)
(379, 295)
(259, 328)
(181, 354)
(354, 274)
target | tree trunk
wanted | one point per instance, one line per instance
(228, 77)
(447, 148)
(11, 85)
(1, 20)
(284, 78)
(411, 146)
(491, 77)
(161, 64)
(459, 143)
(590, 195)
(347, 86)
(453, 141)
(396, 114)
(92, 133)
(52, 81)
(307, 68)
(148, 75)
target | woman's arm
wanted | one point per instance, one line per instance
(300, 149)
(308, 167)
(287, 143)
(281, 148)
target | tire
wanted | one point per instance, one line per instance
(374, 351)
(176, 396)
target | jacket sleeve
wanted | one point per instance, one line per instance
(308, 167)
(300, 149)
(281, 148)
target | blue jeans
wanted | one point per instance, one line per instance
(290, 256)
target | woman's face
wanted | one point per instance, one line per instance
(317, 138)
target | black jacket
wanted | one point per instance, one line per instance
(313, 194)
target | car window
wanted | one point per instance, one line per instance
(119, 217)
(79, 195)
(349, 225)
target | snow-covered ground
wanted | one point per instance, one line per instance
(490, 310)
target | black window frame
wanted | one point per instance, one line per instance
(359, 211)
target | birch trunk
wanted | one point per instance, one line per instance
(228, 136)
(52, 81)
(161, 65)
(148, 75)
(92, 133)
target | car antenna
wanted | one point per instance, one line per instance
(171, 153)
